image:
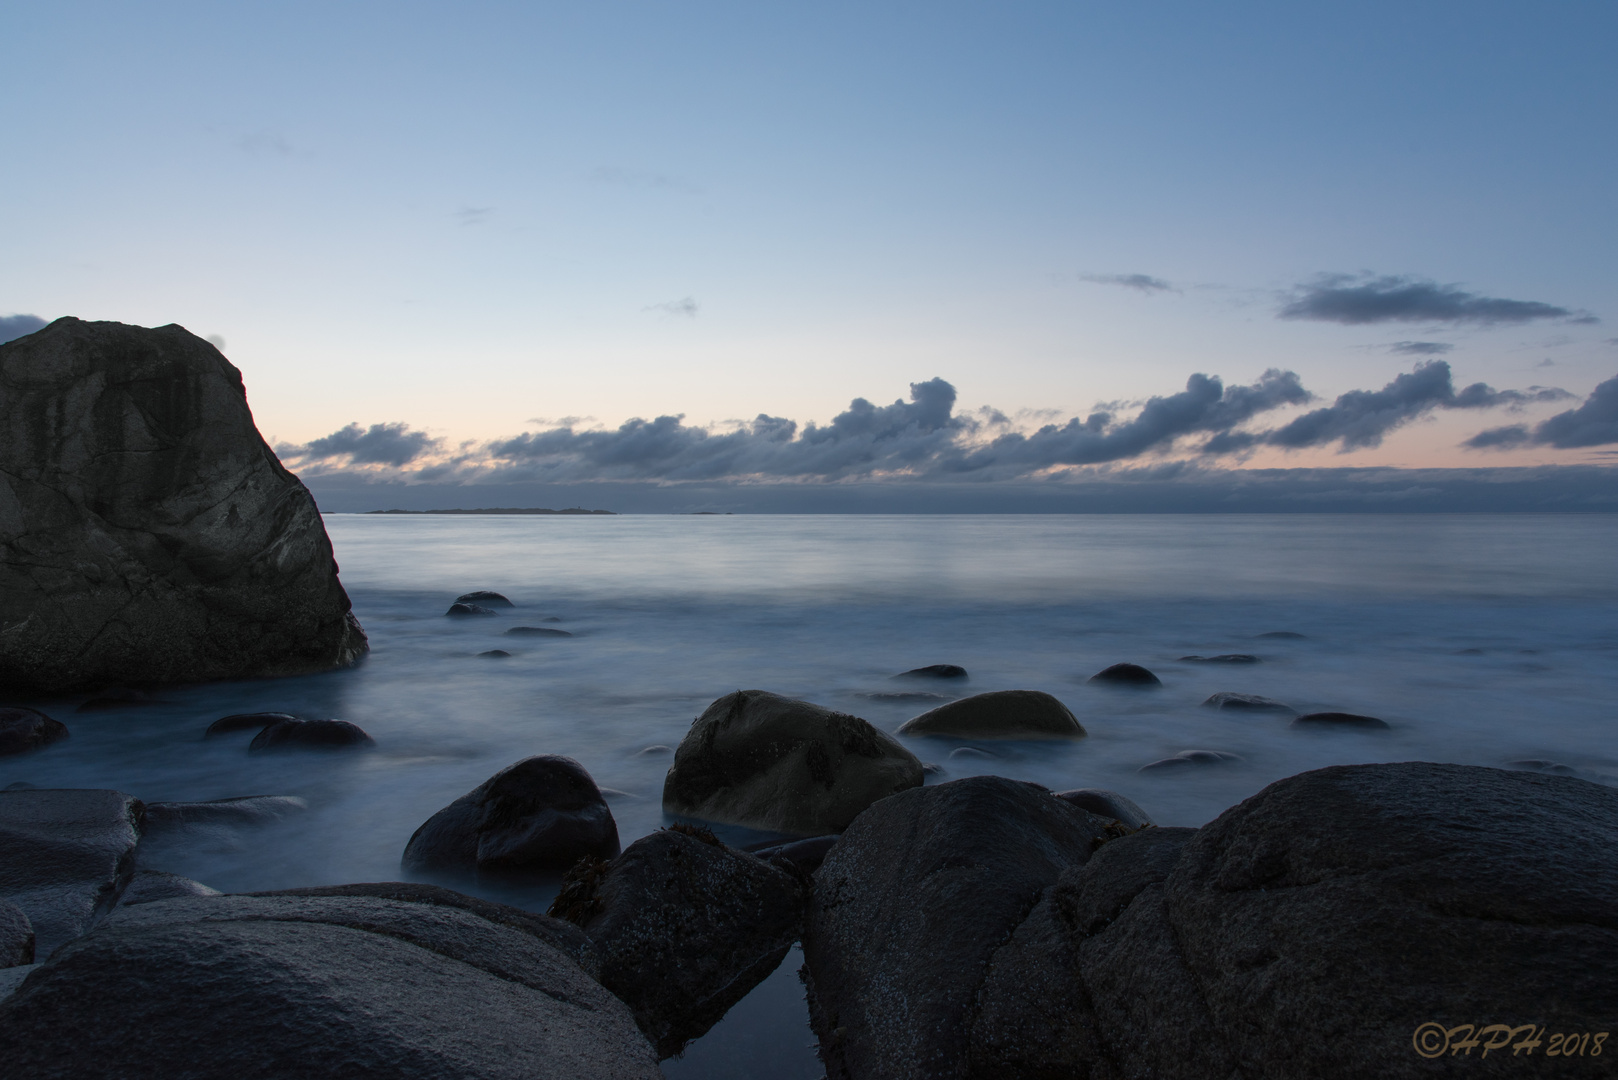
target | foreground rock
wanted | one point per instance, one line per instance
(686, 927)
(1398, 909)
(65, 856)
(300, 986)
(1001, 714)
(22, 730)
(773, 763)
(910, 906)
(1125, 675)
(309, 734)
(543, 813)
(149, 535)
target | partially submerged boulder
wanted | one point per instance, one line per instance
(776, 764)
(461, 610)
(243, 810)
(1125, 675)
(298, 986)
(1228, 700)
(147, 533)
(1191, 758)
(542, 814)
(946, 672)
(686, 926)
(22, 730)
(65, 856)
(1223, 658)
(309, 734)
(1000, 714)
(1341, 720)
(486, 597)
(256, 721)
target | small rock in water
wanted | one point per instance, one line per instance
(552, 618)
(1107, 804)
(495, 654)
(971, 752)
(1227, 658)
(484, 597)
(1227, 699)
(1281, 635)
(1339, 719)
(461, 611)
(934, 671)
(537, 631)
(1192, 757)
(655, 750)
(245, 722)
(22, 730)
(1126, 675)
(1000, 714)
(321, 734)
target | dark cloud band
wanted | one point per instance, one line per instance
(1390, 299)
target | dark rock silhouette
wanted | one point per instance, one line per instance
(934, 671)
(486, 598)
(22, 730)
(310, 734)
(150, 534)
(1225, 658)
(1109, 804)
(537, 631)
(772, 763)
(459, 610)
(1340, 720)
(542, 814)
(256, 721)
(1229, 700)
(1000, 714)
(1188, 758)
(495, 654)
(1126, 675)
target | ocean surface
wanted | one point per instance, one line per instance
(1480, 639)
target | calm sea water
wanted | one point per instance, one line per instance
(1480, 639)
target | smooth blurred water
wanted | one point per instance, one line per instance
(1480, 639)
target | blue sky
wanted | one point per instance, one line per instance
(480, 220)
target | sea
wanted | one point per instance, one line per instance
(1485, 640)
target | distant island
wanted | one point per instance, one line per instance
(500, 510)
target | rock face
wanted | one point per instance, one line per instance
(910, 906)
(1002, 714)
(543, 813)
(686, 927)
(147, 533)
(769, 762)
(65, 856)
(1355, 921)
(22, 730)
(297, 986)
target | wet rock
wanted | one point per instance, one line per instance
(1001, 714)
(779, 765)
(1187, 758)
(1108, 804)
(462, 611)
(65, 856)
(149, 885)
(22, 730)
(686, 927)
(1340, 720)
(910, 906)
(1126, 675)
(484, 597)
(1226, 658)
(934, 671)
(495, 654)
(16, 936)
(537, 631)
(256, 721)
(245, 810)
(297, 986)
(1235, 702)
(152, 536)
(806, 855)
(542, 814)
(1281, 635)
(310, 734)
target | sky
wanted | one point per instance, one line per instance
(704, 244)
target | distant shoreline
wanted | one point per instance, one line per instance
(500, 510)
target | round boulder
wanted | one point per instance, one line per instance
(1000, 714)
(317, 734)
(22, 730)
(1126, 675)
(484, 597)
(1341, 720)
(543, 813)
(1227, 699)
(770, 762)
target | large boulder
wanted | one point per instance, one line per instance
(301, 986)
(1000, 714)
(65, 857)
(769, 762)
(22, 730)
(147, 533)
(686, 926)
(542, 814)
(910, 906)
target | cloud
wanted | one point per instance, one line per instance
(1420, 348)
(1354, 301)
(16, 326)
(380, 444)
(1139, 282)
(1594, 423)
(1547, 362)
(686, 306)
(473, 215)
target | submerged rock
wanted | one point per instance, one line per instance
(780, 765)
(1226, 658)
(460, 611)
(1000, 714)
(297, 986)
(486, 598)
(537, 631)
(244, 810)
(543, 813)
(22, 730)
(1126, 675)
(256, 721)
(934, 671)
(1340, 720)
(1108, 804)
(1235, 702)
(1282, 635)
(311, 734)
(495, 654)
(1191, 757)
(149, 533)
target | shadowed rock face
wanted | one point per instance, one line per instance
(147, 533)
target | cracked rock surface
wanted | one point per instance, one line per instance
(147, 533)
